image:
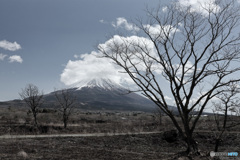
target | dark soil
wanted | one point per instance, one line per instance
(128, 147)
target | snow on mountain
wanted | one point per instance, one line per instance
(103, 83)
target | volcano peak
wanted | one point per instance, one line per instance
(103, 83)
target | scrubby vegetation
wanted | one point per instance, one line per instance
(164, 143)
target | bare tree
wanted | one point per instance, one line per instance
(158, 113)
(194, 54)
(66, 103)
(33, 98)
(228, 102)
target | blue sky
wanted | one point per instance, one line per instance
(50, 33)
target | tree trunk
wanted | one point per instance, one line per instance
(160, 117)
(65, 123)
(35, 119)
(65, 119)
(218, 140)
(217, 144)
(192, 146)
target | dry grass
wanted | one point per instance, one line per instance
(18, 121)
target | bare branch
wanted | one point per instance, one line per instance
(196, 54)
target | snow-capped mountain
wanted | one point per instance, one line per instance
(99, 94)
(106, 84)
(104, 94)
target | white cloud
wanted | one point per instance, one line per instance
(90, 66)
(9, 45)
(101, 21)
(15, 58)
(2, 56)
(199, 5)
(168, 98)
(189, 68)
(137, 47)
(123, 23)
(164, 9)
(76, 56)
(157, 32)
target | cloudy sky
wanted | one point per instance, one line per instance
(39, 37)
(52, 43)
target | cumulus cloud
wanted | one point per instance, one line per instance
(9, 45)
(15, 58)
(137, 47)
(123, 23)
(157, 32)
(2, 56)
(90, 66)
(199, 5)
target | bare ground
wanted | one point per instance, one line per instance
(82, 141)
(118, 147)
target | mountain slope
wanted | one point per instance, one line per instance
(104, 94)
(100, 94)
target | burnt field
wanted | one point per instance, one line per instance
(143, 146)
(132, 144)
